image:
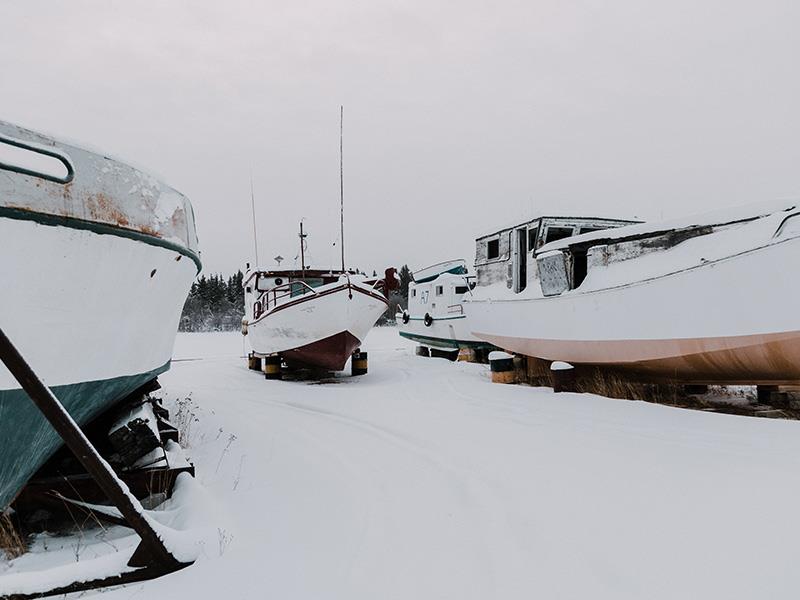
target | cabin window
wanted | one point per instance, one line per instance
(439, 290)
(532, 234)
(413, 293)
(588, 229)
(557, 233)
(461, 289)
(249, 290)
(492, 249)
(579, 267)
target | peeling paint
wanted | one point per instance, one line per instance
(103, 190)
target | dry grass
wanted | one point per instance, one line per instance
(605, 383)
(11, 541)
(614, 385)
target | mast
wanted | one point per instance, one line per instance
(253, 206)
(302, 252)
(341, 181)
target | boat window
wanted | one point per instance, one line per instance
(413, 293)
(588, 229)
(579, 266)
(532, 233)
(557, 233)
(298, 289)
(439, 290)
(314, 281)
(461, 289)
(492, 249)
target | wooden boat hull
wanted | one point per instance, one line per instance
(729, 321)
(319, 330)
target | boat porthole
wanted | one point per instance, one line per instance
(152, 273)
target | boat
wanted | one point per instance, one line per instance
(97, 261)
(313, 318)
(310, 317)
(706, 299)
(435, 315)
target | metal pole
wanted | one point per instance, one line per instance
(253, 206)
(76, 441)
(341, 180)
(302, 253)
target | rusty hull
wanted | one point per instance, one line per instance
(96, 189)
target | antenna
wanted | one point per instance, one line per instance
(302, 252)
(253, 206)
(341, 180)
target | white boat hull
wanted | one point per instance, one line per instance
(733, 320)
(94, 315)
(320, 329)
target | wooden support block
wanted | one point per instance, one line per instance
(562, 376)
(254, 362)
(358, 364)
(448, 353)
(135, 433)
(466, 355)
(423, 351)
(501, 365)
(272, 367)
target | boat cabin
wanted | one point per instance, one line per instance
(271, 288)
(441, 296)
(564, 265)
(508, 256)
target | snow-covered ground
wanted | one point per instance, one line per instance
(424, 480)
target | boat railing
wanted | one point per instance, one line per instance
(271, 298)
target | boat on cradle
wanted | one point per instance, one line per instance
(97, 261)
(312, 317)
(708, 299)
(435, 314)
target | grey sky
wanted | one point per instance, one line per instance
(459, 117)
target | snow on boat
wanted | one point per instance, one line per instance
(455, 267)
(97, 261)
(311, 317)
(435, 315)
(705, 299)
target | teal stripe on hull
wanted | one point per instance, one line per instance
(100, 229)
(27, 440)
(441, 342)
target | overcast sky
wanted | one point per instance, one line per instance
(460, 117)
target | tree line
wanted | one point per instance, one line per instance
(216, 303)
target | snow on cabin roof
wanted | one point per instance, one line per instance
(564, 218)
(457, 266)
(745, 212)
